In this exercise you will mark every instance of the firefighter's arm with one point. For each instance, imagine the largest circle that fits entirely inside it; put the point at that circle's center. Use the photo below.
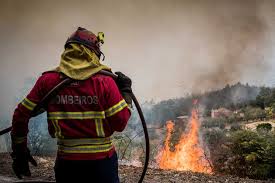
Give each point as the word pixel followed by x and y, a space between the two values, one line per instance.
pixel 20 152
pixel 117 110
pixel 22 114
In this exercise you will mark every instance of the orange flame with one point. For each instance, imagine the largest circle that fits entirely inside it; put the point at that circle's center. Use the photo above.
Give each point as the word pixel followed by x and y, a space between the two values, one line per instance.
pixel 188 155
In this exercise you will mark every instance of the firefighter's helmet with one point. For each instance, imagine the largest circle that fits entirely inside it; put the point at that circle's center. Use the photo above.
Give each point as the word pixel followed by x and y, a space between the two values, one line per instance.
pixel 88 39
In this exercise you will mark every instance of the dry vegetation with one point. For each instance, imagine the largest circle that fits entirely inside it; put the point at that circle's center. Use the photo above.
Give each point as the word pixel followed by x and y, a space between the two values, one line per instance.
pixel 128 174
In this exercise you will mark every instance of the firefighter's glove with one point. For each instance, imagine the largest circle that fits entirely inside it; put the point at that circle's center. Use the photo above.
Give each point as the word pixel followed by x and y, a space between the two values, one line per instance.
pixel 124 84
pixel 21 161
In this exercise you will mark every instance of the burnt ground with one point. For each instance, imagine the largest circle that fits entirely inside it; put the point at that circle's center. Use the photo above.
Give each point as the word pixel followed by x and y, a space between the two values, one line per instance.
pixel 128 174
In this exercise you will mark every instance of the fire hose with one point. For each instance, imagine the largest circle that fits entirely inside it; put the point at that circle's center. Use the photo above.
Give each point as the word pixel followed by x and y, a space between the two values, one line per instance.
pixel 37 110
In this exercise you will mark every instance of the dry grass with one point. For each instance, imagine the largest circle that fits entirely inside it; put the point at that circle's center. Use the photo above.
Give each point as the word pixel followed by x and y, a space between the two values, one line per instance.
pixel 128 174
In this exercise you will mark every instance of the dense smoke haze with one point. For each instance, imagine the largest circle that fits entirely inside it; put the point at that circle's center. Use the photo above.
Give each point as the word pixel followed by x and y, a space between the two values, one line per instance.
pixel 168 48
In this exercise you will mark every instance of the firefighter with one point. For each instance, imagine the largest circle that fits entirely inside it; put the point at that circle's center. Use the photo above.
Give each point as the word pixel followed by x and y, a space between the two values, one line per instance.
pixel 82 116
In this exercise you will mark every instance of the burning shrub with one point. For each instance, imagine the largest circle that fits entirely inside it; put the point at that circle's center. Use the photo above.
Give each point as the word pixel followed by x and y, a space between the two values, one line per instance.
pixel 188 153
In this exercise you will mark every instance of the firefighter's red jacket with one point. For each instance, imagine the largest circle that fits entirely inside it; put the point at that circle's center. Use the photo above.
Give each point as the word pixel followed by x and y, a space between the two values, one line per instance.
pixel 82 116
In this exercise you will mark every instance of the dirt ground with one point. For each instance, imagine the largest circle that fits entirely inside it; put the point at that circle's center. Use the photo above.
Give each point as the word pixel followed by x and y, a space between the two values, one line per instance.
pixel 128 174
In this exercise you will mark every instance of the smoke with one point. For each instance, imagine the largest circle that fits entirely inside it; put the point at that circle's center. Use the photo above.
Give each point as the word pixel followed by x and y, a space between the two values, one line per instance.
pixel 233 45
pixel 168 48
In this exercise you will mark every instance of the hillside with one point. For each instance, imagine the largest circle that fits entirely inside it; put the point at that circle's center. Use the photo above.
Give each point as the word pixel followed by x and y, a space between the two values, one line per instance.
pixel 232 97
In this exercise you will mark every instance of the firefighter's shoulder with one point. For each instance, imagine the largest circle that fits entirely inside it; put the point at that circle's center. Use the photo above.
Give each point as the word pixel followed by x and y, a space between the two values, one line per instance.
pixel 51 76
pixel 103 77
pixel 50 72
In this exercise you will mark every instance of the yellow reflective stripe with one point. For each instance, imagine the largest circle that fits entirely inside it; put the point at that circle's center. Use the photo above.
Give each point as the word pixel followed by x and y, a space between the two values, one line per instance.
pixel 116 108
pixel 99 128
pixel 28 104
pixel 84 141
pixel 77 115
pixel 85 148
pixel 130 108
pixel 57 129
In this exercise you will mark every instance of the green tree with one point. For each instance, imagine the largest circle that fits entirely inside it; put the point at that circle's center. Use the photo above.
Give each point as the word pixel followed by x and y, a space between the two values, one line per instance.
pixel 266 97
pixel 264 128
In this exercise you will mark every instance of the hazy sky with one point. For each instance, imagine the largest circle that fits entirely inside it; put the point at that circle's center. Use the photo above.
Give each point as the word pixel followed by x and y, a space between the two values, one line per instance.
pixel 168 48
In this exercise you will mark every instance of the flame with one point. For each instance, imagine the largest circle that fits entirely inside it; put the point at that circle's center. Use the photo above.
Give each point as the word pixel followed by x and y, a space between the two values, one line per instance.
pixel 188 154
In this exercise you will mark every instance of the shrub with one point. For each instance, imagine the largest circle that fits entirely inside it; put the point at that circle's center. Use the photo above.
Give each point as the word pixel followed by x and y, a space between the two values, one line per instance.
pixel 264 128
pixel 248 154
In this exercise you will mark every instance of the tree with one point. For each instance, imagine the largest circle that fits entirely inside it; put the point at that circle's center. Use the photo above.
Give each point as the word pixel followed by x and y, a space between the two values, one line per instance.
pixel 266 97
